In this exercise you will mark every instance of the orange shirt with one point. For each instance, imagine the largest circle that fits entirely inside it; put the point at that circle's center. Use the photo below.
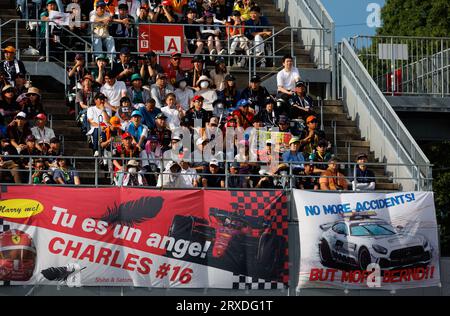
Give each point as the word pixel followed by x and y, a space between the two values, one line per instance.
pixel 334 180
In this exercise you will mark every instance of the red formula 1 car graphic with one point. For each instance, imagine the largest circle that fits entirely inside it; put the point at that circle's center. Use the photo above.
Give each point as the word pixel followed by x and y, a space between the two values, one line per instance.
pixel 239 243
pixel 17 256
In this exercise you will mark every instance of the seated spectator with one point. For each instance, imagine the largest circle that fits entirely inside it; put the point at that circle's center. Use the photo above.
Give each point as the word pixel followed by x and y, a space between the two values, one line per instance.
pixel 188 175
pixel 111 136
pixel 125 67
pixel 320 154
pixel 113 90
pixel 268 115
pixel 174 70
pixel 256 94
pixel 197 113
pixel 364 177
pixel 8 163
pixel 243 7
pixel 101 20
pixel 137 94
pixel 243 114
pixel 164 14
pixel 133 177
pixel 29 150
pixel 209 95
pixel 125 110
pixel 311 135
pixel 210 34
pixel 35 105
pixel 183 93
pixel 40 174
pixel 11 66
pixel 230 91
pixel 193 43
pixel 55 149
pixel 307 180
pixel 198 70
pixel 21 84
pixel 294 154
pixel 218 75
pixel 236 33
pixel 137 130
pixel 171 177
pixel 95 115
pixel 173 111
pixel 64 174
pixel 257 34
pixel 78 71
pixel 149 113
pixel 102 64
pixel 286 79
pixel 214 178
pixel 126 150
pixel 161 131
pixel 85 95
pixel 8 106
pixel 41 132
pixel 234 179
pixel 301 105
pixel 151 159
pixel 18 130
pixel 150 68
pixel 160 89
pixel 123 29
pixel 332 179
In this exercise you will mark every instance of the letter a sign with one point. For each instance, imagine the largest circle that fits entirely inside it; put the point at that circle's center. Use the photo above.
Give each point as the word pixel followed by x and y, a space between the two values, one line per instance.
pixel 172 44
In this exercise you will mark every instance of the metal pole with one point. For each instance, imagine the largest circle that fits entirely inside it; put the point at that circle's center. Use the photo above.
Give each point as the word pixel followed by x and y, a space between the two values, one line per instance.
pixel 30 171
pixel 17 39
pixel 319 99
pixel 96 172
pixel 47 41
pixel 442 68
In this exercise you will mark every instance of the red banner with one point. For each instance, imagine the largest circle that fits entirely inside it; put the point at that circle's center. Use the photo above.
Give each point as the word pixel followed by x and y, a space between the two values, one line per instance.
pixel 137 237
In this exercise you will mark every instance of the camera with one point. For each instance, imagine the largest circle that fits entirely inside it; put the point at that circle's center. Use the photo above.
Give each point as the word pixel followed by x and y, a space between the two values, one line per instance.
pixel 46 178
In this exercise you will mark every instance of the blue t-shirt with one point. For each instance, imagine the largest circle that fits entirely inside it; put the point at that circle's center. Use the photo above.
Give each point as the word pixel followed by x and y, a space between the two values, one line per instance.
pixel 67 176
pixel 148 118
pixel 249 29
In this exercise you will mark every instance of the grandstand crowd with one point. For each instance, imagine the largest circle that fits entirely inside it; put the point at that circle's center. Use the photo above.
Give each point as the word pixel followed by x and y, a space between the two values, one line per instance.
pixel 162 124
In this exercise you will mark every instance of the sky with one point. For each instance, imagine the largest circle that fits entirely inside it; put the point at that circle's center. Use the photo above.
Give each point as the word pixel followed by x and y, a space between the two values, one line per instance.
pixel 350 16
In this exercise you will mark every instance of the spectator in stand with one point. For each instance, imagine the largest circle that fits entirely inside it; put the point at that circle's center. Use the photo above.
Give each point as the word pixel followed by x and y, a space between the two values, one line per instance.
pixel 137 94
pixel 137 130
pixel 35 105
pixel 41 132
pixel 269 116
pixel 54 151
pixel 210 33
pixel 134 6
pixel 18 130
pixel 364 178
pixel 85 95
pixel 78 71
pixel 244 114
pixel 189 177
pixel 163 13
pixel 230 91
pixel 171 177
pixel 174 70
pixel 214 178
pixel 193 43
pixel 222 9
pixel 21 84
pixel 178 7
pixel 286 79
pixel 149 113
pixel 126 150
pixel 307 180
pixel 332 179
pixel 111 136
pixel 65 174
pixel 101 20
pixel 236 33
pixel 150 68
pixel 8 163
pixel 244 8
pixel 11 66
pixel 256 94
pixel 160 89
pixel 311 135
pixel 125 67
pixel 320 154
pixel 101 62
pixel 143 16
pixel 133 177
pixel 184 94
pixel 301 105
pixel 8 105
pixel 41 175
pixel 209 95
pixel 218 75
pixel 29 150
pixel 160 130
pixel 95 115
pixel 24 104
pixel 122 28
pixel 173 111
pixel 294 155
pixel 151 159
pixel 256 34
pixel 113 90
pixel 196 72
pixel 234 179
pixel 124 112
pixel 198 113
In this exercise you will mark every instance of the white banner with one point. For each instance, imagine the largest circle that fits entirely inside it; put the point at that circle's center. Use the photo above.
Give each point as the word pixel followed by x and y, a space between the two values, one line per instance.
pixel 367 240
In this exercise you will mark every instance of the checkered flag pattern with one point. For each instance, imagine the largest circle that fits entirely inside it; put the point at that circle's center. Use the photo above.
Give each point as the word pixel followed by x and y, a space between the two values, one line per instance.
pixel 3 228
pixel 273 206
pixel 242 282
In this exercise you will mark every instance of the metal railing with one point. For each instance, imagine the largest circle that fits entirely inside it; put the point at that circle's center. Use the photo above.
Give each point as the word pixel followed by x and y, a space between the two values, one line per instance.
pixel 378 121
pixel 282 176
pixel 403 65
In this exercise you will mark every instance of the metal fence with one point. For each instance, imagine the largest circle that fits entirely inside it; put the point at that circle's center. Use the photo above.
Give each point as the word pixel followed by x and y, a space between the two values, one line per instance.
pixel 406 65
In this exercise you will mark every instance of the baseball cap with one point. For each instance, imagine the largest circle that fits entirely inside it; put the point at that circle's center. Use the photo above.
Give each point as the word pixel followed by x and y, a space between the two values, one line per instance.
pixel 100 96
pixel 7 87
pixel 176 137
pixel 135 77
pixel 165 3
pixel 310 118
pixel 153 138
pixel 101 56
pixel 214 162
pixel 255 78
pixel 198 98
pixel 161 116
pixel 361 155
pixel 197 59
pixel 174 54
pixel 21 97
pixel 21 114
pixel 230 77
pixel 150 54
pixel 242 102
pixel 123 6
pixel 125 50
pixel 41 116
pixel 161 75
pixel 126 135
pixel 100 3
pixel 300 83
pixel 115 121
pixel 294 140
pixel 9 49
pixel 200 141
pixel 136 113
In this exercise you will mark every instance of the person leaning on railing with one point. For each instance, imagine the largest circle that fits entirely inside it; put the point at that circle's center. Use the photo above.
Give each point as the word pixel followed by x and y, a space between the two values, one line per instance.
pixel 364 178
pixel 123 28
pixel 7 163
pixel 64 174
pixel 101 20
pixel 332 179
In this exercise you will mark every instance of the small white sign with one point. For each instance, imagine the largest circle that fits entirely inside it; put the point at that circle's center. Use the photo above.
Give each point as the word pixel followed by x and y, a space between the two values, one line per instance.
pixel 172 44
pixel 393 51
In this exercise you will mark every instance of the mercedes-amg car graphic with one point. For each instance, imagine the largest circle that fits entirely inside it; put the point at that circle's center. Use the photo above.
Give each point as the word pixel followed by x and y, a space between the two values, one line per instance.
pixel 360 239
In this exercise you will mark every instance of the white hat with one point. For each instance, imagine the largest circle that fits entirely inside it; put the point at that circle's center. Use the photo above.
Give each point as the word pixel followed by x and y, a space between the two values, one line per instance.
pixel 133 163
pixel 21 114
pixel 203 78
pixel 200 141
pixel 214 162
pixel 176 137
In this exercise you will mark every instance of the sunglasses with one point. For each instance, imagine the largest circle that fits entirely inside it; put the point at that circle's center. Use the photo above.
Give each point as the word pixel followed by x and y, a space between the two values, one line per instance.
pixel 9 90
pixel 313 121
pixel 177 58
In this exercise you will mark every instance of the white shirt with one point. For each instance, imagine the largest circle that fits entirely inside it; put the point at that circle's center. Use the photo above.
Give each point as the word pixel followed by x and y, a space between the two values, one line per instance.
pixel 187 177
pixel 287 79
pixel 173 117
pixel 93 114
pixel 184 97
pixel 115 92
pixel 44 134
pixel 209 96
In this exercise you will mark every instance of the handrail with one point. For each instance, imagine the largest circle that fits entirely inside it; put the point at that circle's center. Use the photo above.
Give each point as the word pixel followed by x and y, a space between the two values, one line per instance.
pixel 399 136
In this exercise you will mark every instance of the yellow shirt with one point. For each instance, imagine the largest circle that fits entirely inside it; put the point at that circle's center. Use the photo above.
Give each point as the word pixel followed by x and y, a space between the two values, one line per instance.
pixel 245 12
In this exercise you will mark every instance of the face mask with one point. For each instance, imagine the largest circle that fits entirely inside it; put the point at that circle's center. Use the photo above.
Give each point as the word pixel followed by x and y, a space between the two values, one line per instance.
pixel 132 170
pixel 204 84
pixel 183 84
